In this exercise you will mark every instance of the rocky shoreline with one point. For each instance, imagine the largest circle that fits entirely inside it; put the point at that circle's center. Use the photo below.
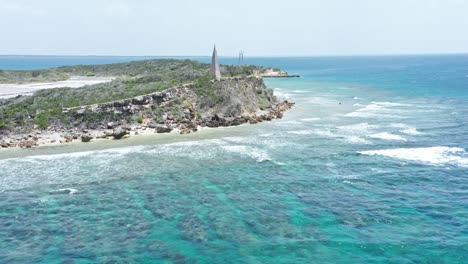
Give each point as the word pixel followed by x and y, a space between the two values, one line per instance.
pixel 192 117
pixel 41 137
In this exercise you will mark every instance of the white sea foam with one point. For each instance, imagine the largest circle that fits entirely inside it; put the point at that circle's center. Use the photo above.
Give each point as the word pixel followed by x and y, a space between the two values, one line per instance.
pixel 358 128
pixel 322 101
pixel 324 133
pixel 358 105
pixel 356 140
pixel 399 125
pixel 291 122
pixel 378 109
pixel 282 93
pixel 312 119
pixel 300 91
pixel 301 132
pixel 68 190
pixel 199 150
pixel 238 140
pixel 251 152
pixel 411 131
pixel 318 132
pixel 122 151
pixel 433 155
pixel 388 136
pixel 357 98
pixel 74 155
pixel 391 104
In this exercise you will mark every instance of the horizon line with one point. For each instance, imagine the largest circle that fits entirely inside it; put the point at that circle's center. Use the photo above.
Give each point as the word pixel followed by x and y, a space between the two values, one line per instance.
pixel 235 56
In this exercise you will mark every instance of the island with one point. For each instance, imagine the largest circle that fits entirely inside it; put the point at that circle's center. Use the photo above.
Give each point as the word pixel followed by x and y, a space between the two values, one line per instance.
pixel 141 97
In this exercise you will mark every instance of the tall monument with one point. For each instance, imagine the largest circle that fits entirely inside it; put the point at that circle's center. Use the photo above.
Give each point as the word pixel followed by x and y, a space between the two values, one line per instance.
pixel 215 71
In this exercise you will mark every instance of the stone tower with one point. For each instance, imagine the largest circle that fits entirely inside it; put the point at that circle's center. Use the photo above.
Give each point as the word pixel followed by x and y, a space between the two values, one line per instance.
pixel 215 71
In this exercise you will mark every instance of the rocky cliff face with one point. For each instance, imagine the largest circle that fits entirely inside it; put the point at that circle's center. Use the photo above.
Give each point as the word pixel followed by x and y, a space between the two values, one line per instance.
pixel 237 96
pixel 227 102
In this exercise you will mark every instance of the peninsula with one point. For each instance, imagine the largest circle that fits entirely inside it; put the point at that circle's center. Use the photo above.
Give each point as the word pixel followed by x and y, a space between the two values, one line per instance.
pixel 153 96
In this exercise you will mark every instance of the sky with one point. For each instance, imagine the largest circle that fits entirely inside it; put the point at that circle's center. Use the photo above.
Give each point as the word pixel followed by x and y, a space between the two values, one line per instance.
pixel 259 27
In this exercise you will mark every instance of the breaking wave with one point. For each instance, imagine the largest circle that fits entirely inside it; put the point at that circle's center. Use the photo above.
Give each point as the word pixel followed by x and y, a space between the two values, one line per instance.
pixel 411 131
pixel 433 155
pixel 388 136
pixel 378 109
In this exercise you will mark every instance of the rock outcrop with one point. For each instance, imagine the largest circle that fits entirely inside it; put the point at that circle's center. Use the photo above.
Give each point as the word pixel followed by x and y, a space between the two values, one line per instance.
pixel 86 138
pixel 119 133
pixel 225 102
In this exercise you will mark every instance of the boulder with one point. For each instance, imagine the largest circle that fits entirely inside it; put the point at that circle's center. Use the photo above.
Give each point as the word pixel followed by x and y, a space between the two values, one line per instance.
pixel 108 133
pixel 27 144
pixel 152 124
pixel 86 138
pixel 119 133
pixel 139 100
pixel 163 129
pixel 212 123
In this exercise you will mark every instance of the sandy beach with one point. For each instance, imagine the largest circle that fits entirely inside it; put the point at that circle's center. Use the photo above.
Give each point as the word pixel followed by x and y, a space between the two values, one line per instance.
pixel 14 89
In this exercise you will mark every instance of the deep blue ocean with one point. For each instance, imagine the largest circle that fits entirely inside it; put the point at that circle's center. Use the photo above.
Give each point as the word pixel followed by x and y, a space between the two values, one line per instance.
pixel 371 166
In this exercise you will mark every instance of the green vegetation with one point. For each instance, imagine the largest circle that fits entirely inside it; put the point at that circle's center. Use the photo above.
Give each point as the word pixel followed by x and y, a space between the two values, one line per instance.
pixel 206 89
pixel 3 124
pixel 187 105
pixel 139 119
pixel 42 120
pixel 264 104
pixel 166 68
pixel 243 70
pixel 32 76
pixel 46 107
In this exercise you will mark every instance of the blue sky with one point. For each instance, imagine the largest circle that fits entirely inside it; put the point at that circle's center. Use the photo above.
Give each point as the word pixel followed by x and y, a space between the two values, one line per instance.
pixel 260 28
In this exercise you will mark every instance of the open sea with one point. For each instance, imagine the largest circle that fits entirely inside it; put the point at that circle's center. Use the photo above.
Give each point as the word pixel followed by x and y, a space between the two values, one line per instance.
pixel 371 166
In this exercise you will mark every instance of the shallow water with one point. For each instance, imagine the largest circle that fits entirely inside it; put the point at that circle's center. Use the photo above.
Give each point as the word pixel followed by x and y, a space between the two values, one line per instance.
pixel 367 167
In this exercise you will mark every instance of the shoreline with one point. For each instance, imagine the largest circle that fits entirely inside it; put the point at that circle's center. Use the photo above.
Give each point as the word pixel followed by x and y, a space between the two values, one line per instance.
pixel 183 108
pixel 39 138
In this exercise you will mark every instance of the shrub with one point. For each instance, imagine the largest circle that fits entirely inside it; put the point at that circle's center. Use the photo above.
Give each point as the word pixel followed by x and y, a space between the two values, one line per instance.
pixel 42 120
pixel 263 105
pixel 187 105
pixel 139 119
pixel 3 124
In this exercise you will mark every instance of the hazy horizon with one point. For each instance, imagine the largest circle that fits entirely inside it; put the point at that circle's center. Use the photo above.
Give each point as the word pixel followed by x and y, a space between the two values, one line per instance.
pixel 261 29
pixel 235 56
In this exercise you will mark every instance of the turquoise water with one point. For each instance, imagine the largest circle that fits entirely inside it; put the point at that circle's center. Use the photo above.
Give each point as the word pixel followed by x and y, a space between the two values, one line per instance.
pixel 371 166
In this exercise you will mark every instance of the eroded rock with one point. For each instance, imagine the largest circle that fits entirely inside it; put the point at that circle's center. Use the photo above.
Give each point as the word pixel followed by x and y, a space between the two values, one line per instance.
pixel 86 138
pixel 119 133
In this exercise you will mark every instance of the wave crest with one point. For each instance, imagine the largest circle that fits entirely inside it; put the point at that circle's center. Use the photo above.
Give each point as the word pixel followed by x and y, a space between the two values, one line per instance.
pixel 388 136
pixel 433 155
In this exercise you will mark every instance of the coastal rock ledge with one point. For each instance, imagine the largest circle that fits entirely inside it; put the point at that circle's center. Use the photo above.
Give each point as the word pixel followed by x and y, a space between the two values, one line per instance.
pixel 185 108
